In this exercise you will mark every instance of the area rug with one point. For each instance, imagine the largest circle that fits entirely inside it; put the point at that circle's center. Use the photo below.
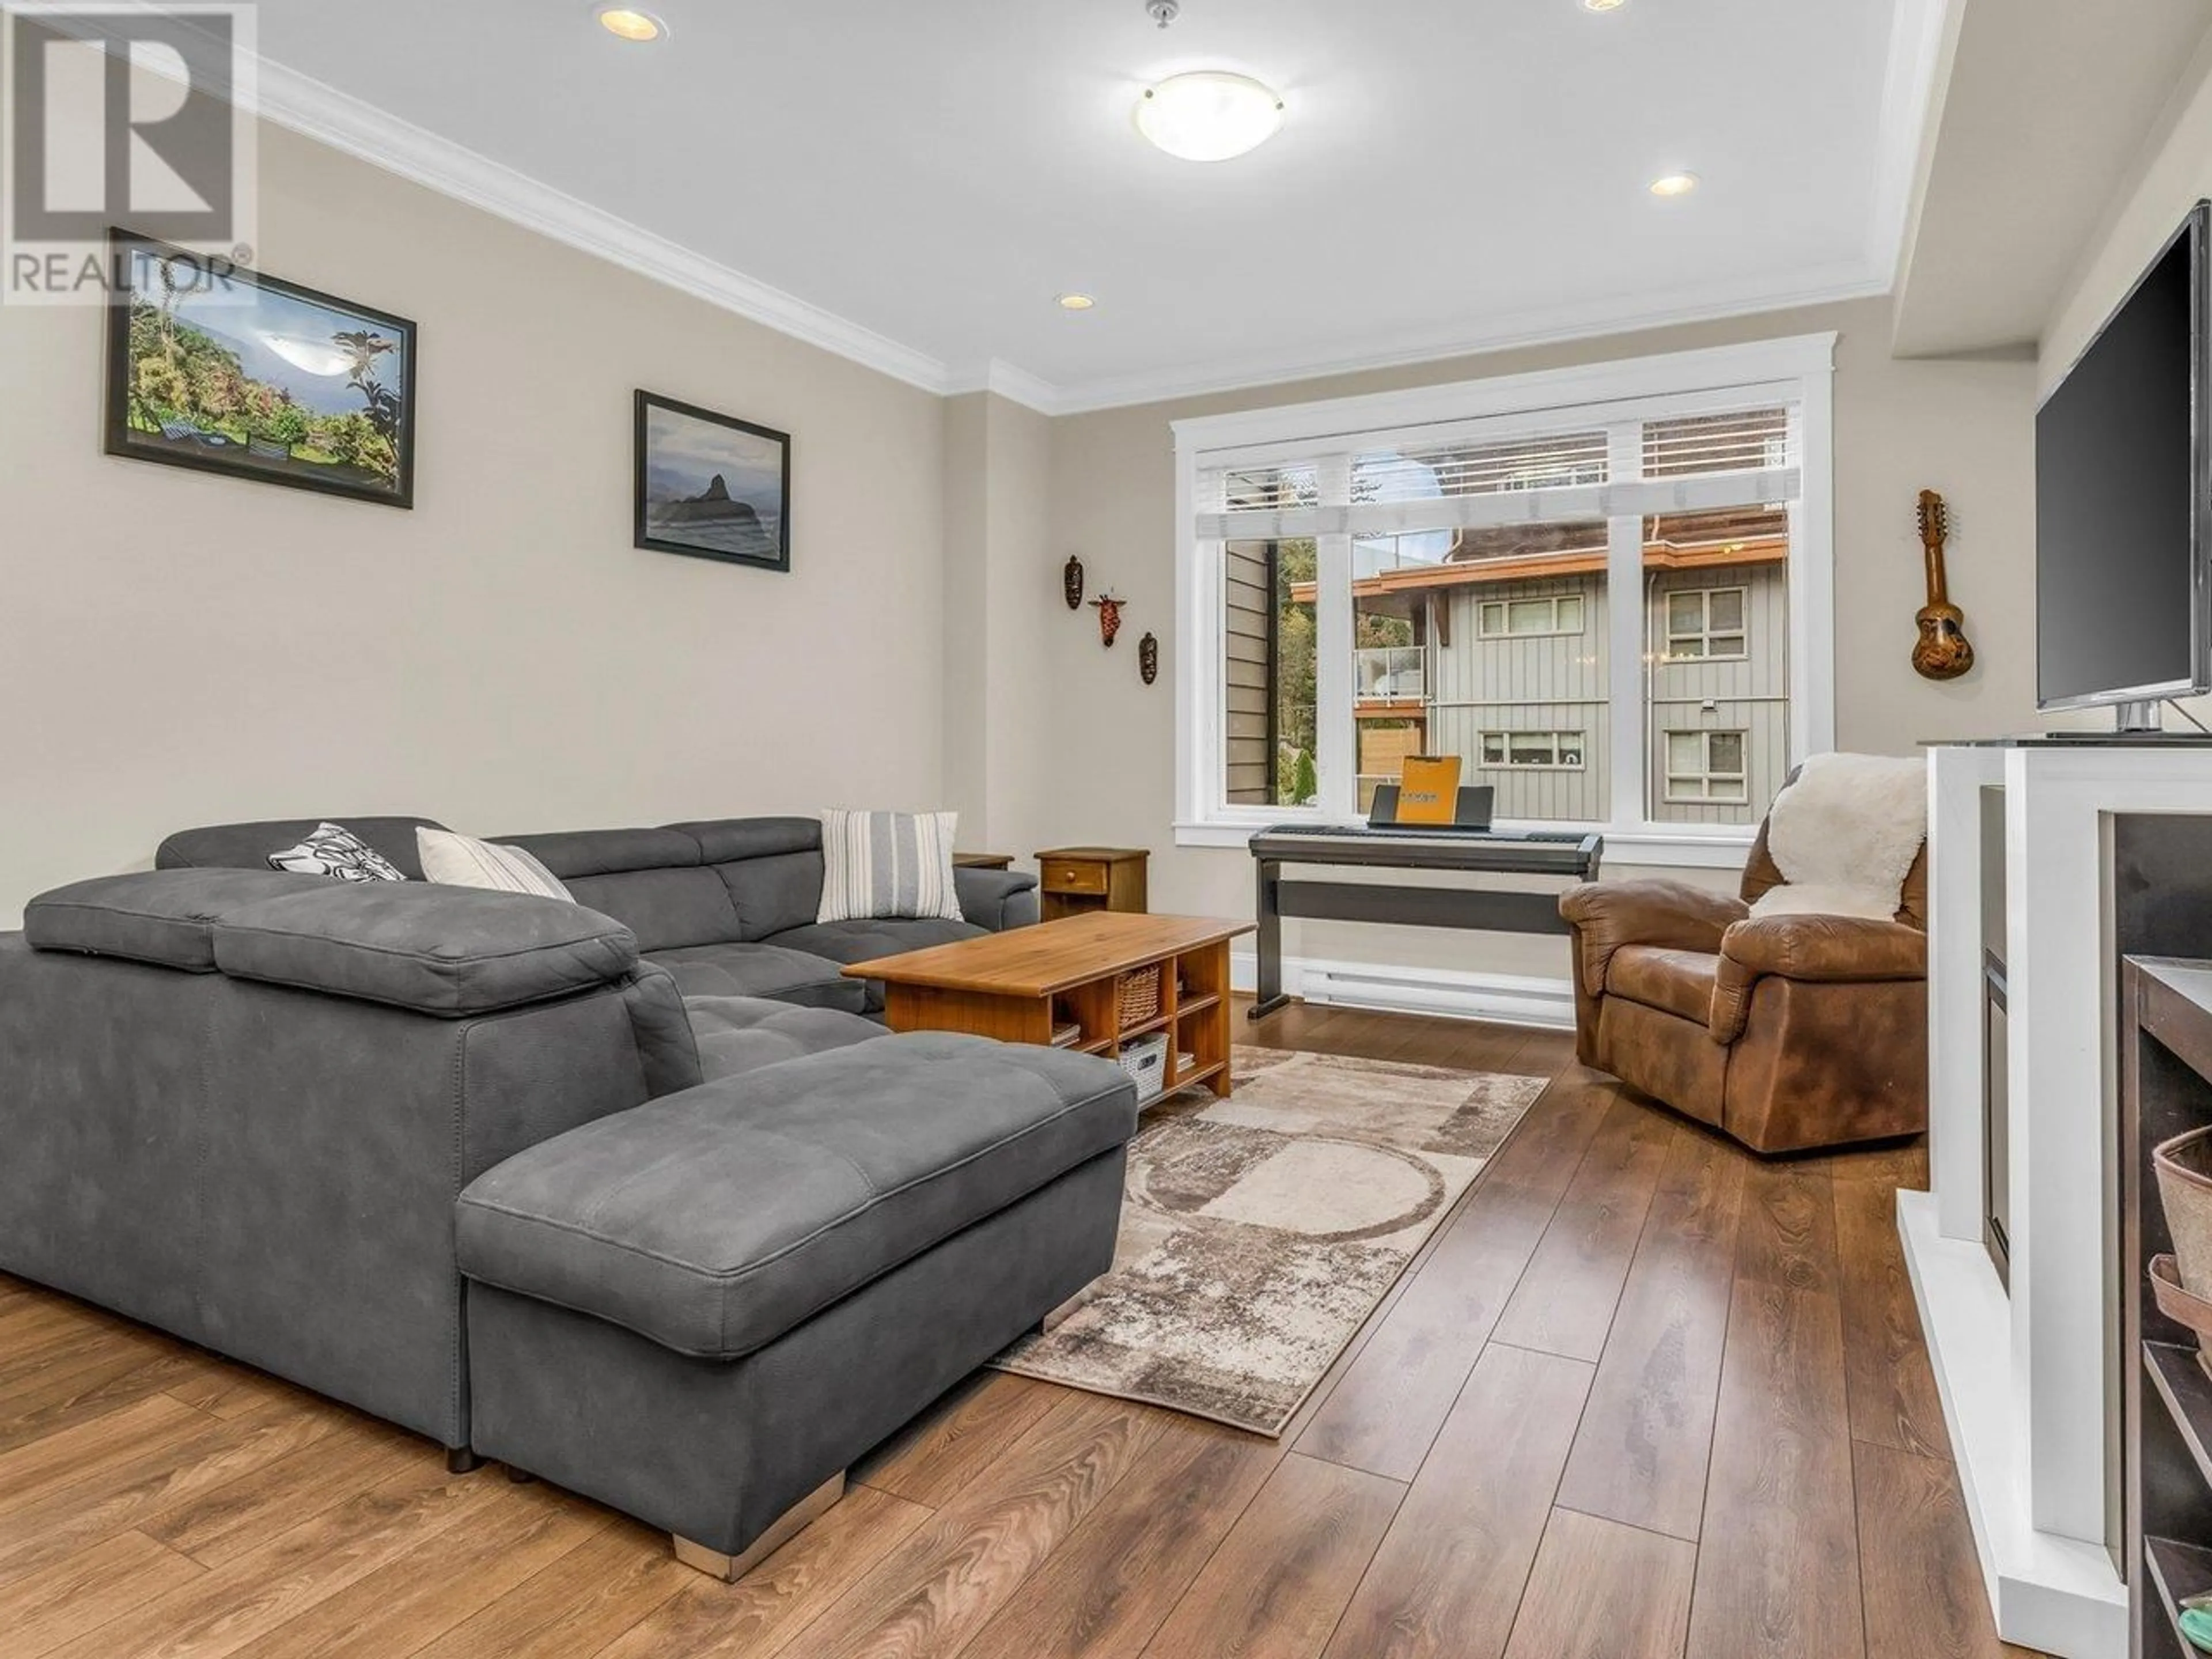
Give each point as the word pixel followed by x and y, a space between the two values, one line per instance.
pixel 1259 1232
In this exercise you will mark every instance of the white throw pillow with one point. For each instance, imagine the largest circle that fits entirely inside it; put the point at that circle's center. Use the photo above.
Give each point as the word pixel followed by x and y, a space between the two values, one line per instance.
pixel 891 865
pixel 464 861
pixel 336 851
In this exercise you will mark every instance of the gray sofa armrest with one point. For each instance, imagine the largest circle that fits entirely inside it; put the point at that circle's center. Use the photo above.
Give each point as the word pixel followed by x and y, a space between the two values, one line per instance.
pixel 996 899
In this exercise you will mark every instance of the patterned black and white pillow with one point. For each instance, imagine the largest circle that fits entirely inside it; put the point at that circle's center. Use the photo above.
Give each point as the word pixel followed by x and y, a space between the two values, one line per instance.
pixel 335 851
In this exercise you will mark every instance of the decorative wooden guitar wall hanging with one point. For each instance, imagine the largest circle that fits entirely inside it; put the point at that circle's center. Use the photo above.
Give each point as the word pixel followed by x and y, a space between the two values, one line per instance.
pixel 1943 653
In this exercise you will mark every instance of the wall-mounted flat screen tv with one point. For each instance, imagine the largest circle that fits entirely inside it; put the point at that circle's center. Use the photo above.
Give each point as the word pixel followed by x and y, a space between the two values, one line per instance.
pixel 2121 498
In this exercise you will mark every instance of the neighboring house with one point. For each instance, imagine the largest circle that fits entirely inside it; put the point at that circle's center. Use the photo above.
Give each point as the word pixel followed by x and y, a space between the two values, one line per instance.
pixel 1500 655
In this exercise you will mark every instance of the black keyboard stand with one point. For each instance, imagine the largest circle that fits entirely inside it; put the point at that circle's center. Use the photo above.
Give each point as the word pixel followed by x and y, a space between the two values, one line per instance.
pixel 1564 853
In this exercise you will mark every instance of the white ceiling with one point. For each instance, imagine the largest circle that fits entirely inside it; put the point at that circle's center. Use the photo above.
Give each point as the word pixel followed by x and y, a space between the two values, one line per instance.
pixel 912 181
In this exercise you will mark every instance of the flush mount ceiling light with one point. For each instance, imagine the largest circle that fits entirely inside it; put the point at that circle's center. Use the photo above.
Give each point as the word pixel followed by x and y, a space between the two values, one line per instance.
pixel 628 23
pixel 1603 5
pixel 1209 115
pixel 1074 301
pixel 1674 183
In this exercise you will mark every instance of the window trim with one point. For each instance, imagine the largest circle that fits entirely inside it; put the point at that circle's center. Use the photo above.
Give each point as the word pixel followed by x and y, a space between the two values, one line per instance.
pixel 1667 636
pixel 1705 774
pixel 1797 370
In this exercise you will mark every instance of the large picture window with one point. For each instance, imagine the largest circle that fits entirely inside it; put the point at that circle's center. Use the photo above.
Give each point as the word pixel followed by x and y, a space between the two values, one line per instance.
pixel 1607 590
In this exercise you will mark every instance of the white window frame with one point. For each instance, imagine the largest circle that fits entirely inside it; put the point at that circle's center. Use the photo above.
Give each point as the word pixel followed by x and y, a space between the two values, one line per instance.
pixel 1483 607
pixel 1704 774
pixel 1668 636
pixel 1481 764
pixel 1798 372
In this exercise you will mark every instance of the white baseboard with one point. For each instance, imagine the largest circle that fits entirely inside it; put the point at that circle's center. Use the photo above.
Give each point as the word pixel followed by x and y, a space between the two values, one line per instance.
pixel 1506 999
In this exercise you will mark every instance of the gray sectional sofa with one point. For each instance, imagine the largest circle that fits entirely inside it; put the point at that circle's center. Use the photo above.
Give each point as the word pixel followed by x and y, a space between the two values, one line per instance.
pixel 551 1183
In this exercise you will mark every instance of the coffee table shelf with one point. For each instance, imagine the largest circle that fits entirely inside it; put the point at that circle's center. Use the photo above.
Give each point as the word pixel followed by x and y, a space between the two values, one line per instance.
pixel 1021 985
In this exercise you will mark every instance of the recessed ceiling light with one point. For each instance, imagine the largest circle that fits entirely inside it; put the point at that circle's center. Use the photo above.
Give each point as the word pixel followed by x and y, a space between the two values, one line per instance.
pixel 1674 183
pixel 1209 115
pixel 1076 301
pixel 628 23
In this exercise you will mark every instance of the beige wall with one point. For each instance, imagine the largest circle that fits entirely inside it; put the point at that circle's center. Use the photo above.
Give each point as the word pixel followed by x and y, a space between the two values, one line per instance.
pixel 1961 428
pixel 178 648
pixel 2170 177
pixel 1001 586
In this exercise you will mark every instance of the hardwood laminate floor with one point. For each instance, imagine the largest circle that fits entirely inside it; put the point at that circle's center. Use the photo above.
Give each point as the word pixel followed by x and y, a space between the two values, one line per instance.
pixel 1643 1395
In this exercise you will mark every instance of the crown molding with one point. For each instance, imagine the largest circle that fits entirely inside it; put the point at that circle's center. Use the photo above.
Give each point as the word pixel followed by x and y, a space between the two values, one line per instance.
pixel 1017 384
pixel 1923 45
pixel 1549 327
pixel 336 118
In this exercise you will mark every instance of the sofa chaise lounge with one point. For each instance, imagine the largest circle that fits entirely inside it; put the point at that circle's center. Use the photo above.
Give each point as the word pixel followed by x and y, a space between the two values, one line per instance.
pixel 477 1163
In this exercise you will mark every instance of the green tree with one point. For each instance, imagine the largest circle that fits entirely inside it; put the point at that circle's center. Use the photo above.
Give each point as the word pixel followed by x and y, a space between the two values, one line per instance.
pixel 1296 564
pixel 158 388
pixel 1305 782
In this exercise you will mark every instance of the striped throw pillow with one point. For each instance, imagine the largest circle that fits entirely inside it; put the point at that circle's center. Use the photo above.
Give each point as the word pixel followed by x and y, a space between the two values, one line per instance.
pixel 464 861
pixel 888 864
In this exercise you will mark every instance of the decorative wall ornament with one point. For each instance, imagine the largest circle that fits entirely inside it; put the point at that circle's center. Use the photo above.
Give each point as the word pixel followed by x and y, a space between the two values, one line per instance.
pixel 711 486
pixel 229 371
pixel 1148 657
pixel 1070 582
pixel 1109 616
pixel 1941 652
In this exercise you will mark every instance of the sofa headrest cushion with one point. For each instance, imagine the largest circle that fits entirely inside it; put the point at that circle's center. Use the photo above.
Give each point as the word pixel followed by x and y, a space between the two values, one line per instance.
pixel 569 854
pixel 727 840
pixel 438 950
pixel 248 846
pixel 162 916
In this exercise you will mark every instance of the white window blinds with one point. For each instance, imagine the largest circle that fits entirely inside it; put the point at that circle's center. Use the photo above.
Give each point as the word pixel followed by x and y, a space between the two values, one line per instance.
pixel 1396 484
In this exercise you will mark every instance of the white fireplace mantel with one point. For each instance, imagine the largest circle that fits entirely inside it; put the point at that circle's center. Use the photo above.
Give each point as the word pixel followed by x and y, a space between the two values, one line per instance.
pixel 2026 1379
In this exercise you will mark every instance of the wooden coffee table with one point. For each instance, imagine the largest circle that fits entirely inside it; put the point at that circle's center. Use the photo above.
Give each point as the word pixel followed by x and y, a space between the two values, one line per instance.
pixel 1019 985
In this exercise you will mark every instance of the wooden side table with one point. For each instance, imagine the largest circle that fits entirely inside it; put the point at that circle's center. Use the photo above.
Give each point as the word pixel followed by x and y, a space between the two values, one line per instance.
pixel 982 861
pixel 1077 881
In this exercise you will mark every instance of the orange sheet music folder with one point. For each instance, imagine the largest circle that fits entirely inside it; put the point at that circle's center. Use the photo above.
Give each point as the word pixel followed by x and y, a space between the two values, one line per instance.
pixel 1428 789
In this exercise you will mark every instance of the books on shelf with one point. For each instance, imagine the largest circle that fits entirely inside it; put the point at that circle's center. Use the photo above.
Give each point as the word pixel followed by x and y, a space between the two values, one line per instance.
pixel 1067 1034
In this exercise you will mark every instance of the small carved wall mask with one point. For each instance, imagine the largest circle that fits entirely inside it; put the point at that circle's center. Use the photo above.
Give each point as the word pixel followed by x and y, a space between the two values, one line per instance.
pixel 1148 657
pixel 1070 582
pixel 1109 616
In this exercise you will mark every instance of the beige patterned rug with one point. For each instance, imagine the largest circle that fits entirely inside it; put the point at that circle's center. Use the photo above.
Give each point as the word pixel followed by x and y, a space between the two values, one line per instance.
pixel 1259 1232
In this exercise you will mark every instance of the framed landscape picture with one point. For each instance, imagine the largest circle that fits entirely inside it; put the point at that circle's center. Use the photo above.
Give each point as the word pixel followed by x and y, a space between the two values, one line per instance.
pixel 229 371
pixel 711 485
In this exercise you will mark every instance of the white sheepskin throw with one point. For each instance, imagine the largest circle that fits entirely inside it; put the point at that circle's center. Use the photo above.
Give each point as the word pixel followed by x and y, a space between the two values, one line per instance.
pixel 1845 836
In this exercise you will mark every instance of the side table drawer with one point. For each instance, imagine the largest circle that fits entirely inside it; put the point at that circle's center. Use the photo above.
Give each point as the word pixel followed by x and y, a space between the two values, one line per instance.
pixel 1067 876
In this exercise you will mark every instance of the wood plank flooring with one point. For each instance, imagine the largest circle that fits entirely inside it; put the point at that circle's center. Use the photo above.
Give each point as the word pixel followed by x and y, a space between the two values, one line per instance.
pixel 1644 1397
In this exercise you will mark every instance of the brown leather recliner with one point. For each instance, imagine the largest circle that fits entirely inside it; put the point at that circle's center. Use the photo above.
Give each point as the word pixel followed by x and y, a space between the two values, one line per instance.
pixel 1787 1032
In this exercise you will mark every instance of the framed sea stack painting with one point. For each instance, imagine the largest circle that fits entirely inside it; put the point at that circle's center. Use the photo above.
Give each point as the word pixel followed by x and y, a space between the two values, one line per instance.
pixel 711 485
pixel 226 370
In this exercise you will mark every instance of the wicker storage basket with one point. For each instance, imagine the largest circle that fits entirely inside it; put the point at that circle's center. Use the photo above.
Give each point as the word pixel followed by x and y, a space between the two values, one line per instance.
pixel 2181 1282
pixel 1141 996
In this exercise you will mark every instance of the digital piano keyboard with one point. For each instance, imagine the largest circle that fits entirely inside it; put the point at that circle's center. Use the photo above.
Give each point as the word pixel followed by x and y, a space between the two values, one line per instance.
pixel 1567 855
